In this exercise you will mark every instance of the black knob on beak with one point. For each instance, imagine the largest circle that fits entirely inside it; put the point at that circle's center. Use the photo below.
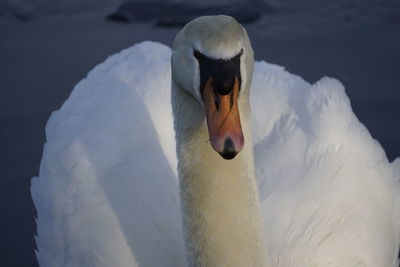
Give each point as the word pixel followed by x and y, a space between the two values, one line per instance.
pixel 224 82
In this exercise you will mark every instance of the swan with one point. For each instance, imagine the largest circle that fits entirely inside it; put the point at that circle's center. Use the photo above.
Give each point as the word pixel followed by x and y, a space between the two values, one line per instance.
pixel 127 179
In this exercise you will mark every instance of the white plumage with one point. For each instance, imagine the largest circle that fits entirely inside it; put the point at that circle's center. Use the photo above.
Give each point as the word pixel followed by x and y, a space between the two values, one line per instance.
pixel 107 192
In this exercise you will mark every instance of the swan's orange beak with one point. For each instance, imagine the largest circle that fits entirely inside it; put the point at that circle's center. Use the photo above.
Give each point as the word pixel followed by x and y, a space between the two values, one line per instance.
pixel 223 120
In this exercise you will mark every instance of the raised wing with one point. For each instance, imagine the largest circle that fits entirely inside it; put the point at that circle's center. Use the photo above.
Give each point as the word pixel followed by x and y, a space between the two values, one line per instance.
pixel 107 192
pixel 329 195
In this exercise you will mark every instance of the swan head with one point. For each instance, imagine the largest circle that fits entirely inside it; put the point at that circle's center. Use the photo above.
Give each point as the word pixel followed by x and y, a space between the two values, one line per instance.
pixel 212 60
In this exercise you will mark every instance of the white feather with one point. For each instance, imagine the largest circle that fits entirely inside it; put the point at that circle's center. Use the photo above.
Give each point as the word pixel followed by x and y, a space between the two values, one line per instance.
pixel 107 192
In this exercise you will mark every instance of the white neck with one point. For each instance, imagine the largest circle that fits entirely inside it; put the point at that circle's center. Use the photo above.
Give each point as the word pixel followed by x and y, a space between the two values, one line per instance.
pixel 221 210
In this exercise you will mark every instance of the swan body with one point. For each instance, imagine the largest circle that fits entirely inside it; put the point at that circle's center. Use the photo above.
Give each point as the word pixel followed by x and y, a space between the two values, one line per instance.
pixel 321 189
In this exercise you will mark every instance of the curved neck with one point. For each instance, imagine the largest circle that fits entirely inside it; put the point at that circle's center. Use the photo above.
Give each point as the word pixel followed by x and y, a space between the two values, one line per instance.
pixel 221 211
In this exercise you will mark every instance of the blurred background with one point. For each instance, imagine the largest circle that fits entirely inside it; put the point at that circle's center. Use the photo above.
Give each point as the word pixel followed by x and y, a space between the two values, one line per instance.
pixel 47 46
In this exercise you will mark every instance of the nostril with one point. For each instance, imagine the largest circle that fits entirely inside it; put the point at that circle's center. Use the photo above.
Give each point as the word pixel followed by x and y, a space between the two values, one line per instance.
pixel 229 149
pixel 216 101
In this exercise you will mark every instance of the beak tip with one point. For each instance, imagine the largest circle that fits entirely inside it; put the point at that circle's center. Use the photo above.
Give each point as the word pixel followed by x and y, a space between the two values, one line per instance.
pixel 229 151
pixel 228 156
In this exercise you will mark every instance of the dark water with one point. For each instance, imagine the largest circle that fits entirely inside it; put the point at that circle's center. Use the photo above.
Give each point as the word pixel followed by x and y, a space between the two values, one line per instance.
pixel 41 61
pixel 175 14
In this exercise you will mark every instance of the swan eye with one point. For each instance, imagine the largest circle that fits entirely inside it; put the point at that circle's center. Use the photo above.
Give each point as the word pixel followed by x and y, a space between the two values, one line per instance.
pixel 199 56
